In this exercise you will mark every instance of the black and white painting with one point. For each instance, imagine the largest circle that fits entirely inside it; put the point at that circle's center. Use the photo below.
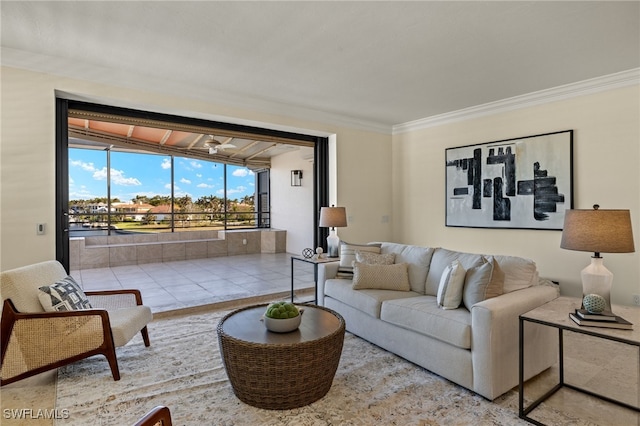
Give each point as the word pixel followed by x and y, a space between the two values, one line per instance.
pixel 514 183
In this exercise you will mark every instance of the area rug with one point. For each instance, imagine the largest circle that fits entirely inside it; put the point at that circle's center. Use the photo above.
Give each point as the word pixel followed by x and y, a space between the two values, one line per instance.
pixel 183 370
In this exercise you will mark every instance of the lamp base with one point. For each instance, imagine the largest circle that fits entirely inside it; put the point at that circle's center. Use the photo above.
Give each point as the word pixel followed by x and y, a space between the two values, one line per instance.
pixel 596 279
pixel 333 244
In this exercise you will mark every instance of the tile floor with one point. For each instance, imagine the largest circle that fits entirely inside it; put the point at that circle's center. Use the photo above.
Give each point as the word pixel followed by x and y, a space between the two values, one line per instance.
pixel 186 284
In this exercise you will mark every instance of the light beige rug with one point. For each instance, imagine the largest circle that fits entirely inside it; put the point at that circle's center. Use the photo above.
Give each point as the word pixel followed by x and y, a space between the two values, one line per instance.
pixel 182 369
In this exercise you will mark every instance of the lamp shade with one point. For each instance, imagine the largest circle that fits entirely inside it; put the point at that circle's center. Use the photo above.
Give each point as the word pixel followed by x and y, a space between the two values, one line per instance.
pixel 333 217
pixel 598 231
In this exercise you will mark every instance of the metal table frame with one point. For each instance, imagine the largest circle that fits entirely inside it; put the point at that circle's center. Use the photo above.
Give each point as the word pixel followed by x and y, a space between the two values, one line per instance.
pixel 602 333
pixel 315 262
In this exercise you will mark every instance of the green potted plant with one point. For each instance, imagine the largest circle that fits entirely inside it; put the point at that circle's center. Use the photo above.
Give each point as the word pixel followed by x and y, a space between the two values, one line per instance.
pixel 282 317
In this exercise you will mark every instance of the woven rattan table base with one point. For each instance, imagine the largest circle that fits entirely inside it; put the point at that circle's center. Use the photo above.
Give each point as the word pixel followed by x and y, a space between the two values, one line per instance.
pixel 281 376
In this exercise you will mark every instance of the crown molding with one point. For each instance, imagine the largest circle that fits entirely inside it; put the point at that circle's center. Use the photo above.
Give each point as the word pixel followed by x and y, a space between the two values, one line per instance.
pixel 567 91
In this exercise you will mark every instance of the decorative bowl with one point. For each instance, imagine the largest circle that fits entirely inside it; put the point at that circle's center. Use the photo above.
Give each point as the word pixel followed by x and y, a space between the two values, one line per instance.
pixel 284 325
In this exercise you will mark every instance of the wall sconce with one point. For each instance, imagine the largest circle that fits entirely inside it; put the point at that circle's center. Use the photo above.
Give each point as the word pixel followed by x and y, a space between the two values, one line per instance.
pixel 296 177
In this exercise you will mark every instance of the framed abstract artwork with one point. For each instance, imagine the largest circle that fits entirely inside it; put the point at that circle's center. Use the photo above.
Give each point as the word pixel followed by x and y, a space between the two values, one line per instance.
pixel 523 183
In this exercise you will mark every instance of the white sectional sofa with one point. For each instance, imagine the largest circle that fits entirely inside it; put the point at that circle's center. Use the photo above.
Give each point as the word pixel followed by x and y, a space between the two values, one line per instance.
pixel 474 346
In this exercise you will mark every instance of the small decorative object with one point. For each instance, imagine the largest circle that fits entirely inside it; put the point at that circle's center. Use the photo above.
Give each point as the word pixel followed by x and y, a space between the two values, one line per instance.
pixel 594 303
pixel 282 317
pixel 307 253
pixel 319 253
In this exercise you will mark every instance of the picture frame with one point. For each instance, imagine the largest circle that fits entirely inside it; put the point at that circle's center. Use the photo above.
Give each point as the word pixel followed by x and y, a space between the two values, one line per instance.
pixel 520 183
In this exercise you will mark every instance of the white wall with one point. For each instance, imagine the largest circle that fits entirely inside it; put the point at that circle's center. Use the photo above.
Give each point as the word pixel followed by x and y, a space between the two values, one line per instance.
pixel 292 206
pixel 27 158
pixel 606 156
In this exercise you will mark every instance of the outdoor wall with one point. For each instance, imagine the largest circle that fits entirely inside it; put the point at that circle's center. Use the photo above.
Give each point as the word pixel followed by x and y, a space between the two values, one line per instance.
pixel 292 206
pixel 606 156
pixel 27 157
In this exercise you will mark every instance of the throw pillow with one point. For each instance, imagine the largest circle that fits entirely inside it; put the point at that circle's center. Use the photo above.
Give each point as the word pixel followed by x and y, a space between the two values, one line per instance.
pixel 375 259
pixel 64 295
pixel 451 286
pixel 348 256
pixel 382 277
pixel 482 282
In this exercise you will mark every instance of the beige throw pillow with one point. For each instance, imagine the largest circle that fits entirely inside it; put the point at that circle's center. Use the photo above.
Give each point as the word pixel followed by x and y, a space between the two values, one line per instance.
pixel 375 259
pixel 451 286
pixel 382 277
pixel 482 282
pixel 348 256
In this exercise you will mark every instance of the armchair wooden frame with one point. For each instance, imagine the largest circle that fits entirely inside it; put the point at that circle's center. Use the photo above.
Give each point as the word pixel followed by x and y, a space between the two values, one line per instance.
pixel 49 348
pixel 159 416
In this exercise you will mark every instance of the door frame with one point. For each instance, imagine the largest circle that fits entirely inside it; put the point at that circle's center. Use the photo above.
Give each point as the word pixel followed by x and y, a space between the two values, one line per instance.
pixel 320 164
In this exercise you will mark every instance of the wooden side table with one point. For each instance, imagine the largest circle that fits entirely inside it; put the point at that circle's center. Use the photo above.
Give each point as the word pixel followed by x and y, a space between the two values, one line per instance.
pixel 315 262
pixel 556 314
pixel 280 371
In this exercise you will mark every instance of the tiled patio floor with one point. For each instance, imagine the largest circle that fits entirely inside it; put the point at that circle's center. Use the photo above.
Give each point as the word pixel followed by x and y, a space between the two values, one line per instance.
pixel 191 283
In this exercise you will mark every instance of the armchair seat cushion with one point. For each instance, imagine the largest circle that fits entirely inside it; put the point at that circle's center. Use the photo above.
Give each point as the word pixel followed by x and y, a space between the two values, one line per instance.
pixel 127 322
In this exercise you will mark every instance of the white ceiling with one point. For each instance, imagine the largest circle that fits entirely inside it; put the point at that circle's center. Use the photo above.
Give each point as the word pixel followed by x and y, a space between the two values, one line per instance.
pixel 382 63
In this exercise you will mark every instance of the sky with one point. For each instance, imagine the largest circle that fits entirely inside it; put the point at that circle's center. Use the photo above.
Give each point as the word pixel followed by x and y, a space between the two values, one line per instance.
pixel 149 174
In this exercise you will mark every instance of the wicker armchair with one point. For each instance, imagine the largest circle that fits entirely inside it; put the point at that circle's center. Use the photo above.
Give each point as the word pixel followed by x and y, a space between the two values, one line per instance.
pixel 33 341
pixel 159 416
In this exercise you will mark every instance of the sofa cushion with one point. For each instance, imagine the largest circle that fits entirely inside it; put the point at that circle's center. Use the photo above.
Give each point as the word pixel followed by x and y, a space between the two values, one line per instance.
pixel 418 259
pixel 482 282
pixel 348 256
pixel 440 260
pixel 422 315
pixel 519 272
pixel 63 295
pixel 368 301
pixel 451 286
pixel 374 258
pixel 384 277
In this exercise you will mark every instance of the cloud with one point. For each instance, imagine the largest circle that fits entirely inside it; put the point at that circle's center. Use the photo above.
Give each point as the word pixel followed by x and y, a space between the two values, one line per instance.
pixel 204 185
pixel 195 165
pixel 198 175
pixel 117 177
pixel 230 191
pixel 89 167
pixel 242 173
pixel 186 181
pixel 166 164
pixel 168 186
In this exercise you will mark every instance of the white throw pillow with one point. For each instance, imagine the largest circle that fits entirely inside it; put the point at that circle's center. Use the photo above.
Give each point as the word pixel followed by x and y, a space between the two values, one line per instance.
pixel 482 282
pixel 451 286
pixel 63 295
pixel 348 256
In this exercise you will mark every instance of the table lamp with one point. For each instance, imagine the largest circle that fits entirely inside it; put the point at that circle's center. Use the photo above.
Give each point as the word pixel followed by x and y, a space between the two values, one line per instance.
pixel 333 217
pixel 598 231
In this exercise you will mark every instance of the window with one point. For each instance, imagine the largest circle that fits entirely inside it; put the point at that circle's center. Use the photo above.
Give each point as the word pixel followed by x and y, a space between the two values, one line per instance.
pixel 119 191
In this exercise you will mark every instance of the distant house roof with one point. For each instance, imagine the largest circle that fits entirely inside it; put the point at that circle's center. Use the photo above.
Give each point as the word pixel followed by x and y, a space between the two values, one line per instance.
pixel 164 208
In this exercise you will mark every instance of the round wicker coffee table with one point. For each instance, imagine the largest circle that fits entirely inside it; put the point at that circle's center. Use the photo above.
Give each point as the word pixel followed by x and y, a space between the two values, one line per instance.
pixel 280 371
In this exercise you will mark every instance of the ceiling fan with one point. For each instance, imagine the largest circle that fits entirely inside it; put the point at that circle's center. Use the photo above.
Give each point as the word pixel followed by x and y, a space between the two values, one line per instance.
pixel 215 145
